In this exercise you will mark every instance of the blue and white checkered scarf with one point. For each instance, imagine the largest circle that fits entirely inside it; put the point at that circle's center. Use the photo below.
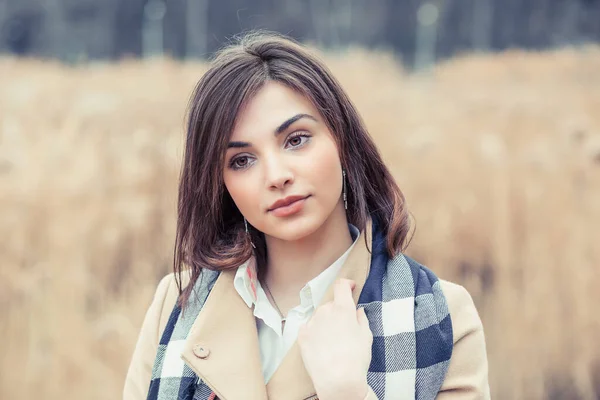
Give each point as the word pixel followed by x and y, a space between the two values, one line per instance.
pixel 410 356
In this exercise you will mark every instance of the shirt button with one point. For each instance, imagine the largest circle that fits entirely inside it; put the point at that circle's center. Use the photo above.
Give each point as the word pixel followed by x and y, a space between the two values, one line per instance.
pixel 201 351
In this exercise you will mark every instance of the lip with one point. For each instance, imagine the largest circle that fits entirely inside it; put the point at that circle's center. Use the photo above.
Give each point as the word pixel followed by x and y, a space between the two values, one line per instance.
pixel 285 202
pixel 290 209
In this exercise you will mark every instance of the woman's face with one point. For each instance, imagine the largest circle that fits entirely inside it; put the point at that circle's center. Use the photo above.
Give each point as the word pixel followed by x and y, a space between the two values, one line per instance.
pixel 282 147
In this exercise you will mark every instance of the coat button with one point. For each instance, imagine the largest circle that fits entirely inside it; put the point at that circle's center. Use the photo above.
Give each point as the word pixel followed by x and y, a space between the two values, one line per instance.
pixel 201 351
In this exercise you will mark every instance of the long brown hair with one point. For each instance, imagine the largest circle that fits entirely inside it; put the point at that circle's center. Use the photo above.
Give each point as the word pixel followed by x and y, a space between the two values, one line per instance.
pixel 210 228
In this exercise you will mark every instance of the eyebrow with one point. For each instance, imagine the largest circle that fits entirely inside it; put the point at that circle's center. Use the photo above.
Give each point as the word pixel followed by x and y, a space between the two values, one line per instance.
pixel 286 124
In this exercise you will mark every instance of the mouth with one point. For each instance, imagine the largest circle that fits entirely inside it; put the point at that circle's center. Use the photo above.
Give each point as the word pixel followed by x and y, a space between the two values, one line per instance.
pixel 289 208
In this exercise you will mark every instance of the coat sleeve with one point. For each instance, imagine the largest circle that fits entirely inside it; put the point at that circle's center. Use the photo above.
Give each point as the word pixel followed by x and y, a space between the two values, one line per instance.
pixel 467 376
pixel 139 373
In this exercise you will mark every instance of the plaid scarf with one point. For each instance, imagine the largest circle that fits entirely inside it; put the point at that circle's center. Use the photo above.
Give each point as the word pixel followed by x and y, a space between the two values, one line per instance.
pixel 407 312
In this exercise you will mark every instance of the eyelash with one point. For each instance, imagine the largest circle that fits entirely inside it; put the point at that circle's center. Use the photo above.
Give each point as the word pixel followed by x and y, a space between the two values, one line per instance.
pixel 235 167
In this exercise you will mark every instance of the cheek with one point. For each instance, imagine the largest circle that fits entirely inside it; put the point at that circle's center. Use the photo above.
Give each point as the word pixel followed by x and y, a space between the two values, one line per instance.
pixel 242 192
pixel 326 169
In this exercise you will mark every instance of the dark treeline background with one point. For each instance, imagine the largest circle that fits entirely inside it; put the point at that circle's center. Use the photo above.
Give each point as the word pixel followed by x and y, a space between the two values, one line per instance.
pixel 73 30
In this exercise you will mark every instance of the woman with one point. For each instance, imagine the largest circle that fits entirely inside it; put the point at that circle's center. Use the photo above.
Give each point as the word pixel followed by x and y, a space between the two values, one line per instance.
pixel 290 281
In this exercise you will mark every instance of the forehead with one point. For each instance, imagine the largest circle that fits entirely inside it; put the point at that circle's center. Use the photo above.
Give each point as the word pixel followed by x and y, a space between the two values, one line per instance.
pixel 272 104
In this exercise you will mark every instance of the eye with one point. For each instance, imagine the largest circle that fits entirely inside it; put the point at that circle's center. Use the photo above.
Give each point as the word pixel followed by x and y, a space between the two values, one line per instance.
pixel 296 139
pixel 239 163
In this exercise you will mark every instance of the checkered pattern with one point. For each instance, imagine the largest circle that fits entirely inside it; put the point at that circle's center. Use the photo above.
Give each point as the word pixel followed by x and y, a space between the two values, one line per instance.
pixel 171 377
pixel 412 330
pixel 407 312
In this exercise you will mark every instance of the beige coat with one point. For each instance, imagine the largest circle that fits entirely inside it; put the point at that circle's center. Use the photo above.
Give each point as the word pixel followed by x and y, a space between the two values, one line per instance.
pixel 230 360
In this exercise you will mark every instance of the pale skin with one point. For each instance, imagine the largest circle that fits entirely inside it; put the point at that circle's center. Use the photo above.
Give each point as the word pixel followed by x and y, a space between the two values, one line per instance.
pixel 336 346
pixel 301 159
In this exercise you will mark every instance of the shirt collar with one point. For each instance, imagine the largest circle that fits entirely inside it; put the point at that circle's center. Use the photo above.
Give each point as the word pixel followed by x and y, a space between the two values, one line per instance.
pixel 246 282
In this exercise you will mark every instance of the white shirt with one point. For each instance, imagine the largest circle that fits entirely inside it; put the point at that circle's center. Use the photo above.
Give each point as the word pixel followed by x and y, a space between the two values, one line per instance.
pixel 273 342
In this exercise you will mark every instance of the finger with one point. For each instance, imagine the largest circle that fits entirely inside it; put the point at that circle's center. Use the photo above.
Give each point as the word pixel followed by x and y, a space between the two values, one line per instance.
pixel 363 321
pixel 352 283
pixel 342 292
pixel 362 317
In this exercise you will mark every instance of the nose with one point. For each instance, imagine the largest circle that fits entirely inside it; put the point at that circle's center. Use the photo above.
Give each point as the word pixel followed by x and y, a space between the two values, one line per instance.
pixel 277 173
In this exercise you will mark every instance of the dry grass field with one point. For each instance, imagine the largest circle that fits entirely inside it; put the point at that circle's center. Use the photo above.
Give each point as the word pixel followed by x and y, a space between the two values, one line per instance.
pixel 498 155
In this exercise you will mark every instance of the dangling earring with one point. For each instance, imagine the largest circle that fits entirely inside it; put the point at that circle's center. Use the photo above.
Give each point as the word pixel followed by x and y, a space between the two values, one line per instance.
pixel 345 197
pixel 248 233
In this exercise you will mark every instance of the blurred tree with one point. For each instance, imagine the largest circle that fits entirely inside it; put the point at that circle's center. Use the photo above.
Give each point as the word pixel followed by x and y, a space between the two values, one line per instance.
pixel 19 31
pixel 127 37
pixel 482 24
pixel 153 28
pixel 195 28
pixel 174 27
pixel 427 27
pixel 196 23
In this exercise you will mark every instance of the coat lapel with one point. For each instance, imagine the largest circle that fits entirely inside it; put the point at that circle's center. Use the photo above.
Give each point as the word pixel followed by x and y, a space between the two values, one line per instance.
pixel 222 346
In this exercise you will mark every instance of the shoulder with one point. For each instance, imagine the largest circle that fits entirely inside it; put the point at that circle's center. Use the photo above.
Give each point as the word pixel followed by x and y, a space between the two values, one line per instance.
pixel 166 296
pixel 166 290
pixel 467 375
pixel 167 293
pixel 142 360
pixel 457 299
pixel 461 307
pixel 165 285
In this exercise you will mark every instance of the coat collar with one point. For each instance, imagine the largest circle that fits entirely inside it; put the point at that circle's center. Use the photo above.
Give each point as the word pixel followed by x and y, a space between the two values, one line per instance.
pixel 222 346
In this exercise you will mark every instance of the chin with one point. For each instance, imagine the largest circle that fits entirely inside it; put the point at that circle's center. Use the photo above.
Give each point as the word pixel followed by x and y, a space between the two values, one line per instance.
pixel 293 228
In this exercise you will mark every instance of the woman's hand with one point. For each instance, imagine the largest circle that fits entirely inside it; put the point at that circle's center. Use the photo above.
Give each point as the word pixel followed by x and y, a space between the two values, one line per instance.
pixel 336 346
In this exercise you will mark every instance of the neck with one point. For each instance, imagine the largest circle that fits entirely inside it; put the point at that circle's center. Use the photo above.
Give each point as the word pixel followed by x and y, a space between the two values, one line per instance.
pixel 291 264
